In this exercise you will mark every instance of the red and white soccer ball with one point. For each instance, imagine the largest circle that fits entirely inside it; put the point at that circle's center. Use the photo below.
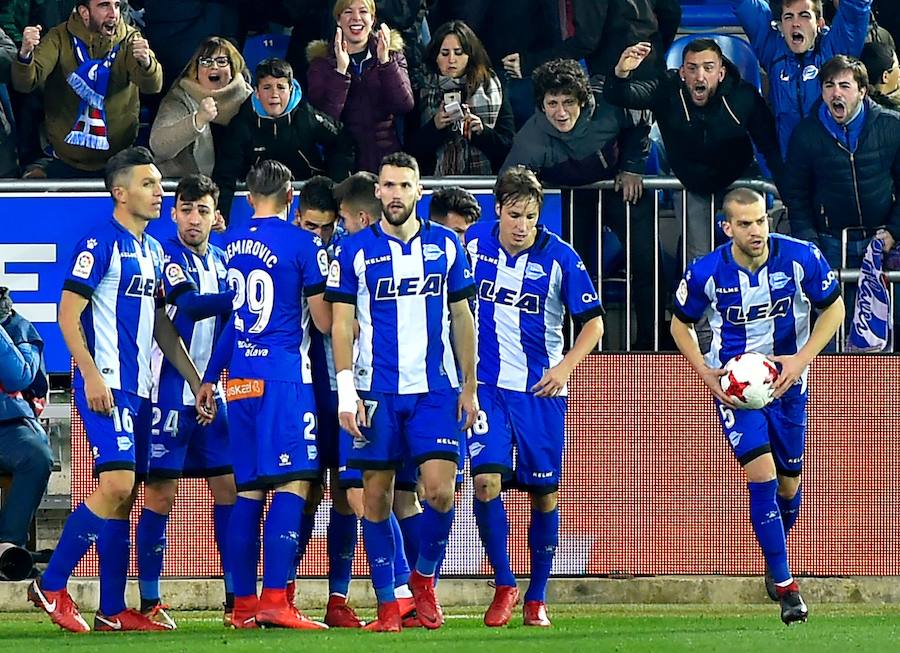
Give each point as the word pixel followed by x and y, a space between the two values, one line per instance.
pixel 749 379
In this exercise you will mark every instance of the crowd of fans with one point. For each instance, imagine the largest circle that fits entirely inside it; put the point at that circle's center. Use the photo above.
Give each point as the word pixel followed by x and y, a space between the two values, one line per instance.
pixel 569 88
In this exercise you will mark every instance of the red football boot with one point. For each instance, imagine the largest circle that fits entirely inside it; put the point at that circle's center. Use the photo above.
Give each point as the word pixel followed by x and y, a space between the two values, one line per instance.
pixel 388 621
pixel 427 608
pixel 59 605
pixel 498 614
pixel 275 611
pixel 535 614
pixel 128 619
pixel 339 614
pixel 243 614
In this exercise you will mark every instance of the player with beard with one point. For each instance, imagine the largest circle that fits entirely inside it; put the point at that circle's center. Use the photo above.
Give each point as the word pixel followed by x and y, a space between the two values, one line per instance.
pixel 757 292
pixel 407 282
pixel 793 55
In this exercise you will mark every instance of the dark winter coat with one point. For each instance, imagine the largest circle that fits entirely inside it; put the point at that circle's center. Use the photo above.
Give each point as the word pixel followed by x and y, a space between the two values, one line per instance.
pixel 708 147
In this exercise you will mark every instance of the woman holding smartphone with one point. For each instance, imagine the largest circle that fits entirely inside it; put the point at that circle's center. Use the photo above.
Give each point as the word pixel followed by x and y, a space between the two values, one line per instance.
pixel 466 124
pixel 362 80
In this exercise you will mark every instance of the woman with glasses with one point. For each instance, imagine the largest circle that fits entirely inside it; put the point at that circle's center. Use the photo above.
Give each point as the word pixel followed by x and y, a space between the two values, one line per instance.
pixel 466 124
pixel 195 112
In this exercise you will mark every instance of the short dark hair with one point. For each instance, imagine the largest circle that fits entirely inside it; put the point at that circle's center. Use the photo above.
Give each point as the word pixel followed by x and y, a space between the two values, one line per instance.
pixel 455 199
pixel 817 7
pixel 743 196
pixel 878 58
pixel 841 63
pixel 358 191
pixel 703 45
pixel 560 77
pixel 516 184
pixel 273 67
pixel 400 160
pixel 193 187
pixel 318 194
pixel 122 162
pixel 268 178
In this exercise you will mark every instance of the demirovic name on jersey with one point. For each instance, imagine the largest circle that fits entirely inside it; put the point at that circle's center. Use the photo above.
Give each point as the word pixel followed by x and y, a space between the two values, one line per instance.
pixel 272 267
pixel 120 276
pixel 406 289
pixel 185 271
pixel 767 311
pixel 521 298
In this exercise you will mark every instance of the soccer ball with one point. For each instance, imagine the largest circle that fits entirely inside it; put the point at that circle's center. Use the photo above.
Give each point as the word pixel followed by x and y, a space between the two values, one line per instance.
pixel 749 379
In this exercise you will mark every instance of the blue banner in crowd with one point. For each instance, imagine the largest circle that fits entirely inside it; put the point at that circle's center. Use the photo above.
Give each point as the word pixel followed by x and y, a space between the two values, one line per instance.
pixel 39 231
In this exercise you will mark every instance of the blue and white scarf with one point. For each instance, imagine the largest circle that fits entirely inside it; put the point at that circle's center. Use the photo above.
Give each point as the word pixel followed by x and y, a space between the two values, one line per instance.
pixel 871 328
pixel 90 81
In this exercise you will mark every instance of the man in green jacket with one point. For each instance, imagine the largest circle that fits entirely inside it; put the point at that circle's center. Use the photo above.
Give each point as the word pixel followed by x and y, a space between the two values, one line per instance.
pixel 91 68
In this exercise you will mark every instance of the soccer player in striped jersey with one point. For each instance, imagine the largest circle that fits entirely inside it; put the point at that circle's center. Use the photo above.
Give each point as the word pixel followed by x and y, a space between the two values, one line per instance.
pixel 199 305
pixel 407 282
pixel 109 316
pixel 758 291
pixel 526 277
pixel 278 273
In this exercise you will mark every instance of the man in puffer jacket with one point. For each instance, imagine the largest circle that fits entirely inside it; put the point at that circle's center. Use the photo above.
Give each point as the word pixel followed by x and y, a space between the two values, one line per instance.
pixel 844 167
pixel 275 123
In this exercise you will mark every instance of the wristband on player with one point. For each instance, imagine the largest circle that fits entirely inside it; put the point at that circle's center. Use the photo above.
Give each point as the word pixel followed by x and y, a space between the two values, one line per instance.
pixel 347 395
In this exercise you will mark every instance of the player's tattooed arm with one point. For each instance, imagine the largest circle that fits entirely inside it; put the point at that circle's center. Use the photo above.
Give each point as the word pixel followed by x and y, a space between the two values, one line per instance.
pixel 792 366
pixel 686 341
pixel 555 379
pixel 462 325
pixel 97 393
pixel 173 349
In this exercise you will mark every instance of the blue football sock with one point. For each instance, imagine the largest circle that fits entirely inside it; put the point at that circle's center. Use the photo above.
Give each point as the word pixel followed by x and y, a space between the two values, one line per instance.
pixel 790 509
pixel 221 515
pixel 378 538
pixel 411 527
pixel 82 529
pixel 493 528
pixel 307 525
pixel 151 546
pixel 543 537
pixel 243 544
pixel 113 548
pixel 435 531
pixel 280 538
pixel 401 564
pixel 341 547
pixel 766 520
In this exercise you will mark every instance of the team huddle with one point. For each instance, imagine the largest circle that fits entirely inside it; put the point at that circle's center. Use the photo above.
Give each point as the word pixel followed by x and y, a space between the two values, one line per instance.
pixel 377 356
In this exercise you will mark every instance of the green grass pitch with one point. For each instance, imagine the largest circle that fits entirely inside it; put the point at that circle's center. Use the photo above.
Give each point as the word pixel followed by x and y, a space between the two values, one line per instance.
pixel 587 629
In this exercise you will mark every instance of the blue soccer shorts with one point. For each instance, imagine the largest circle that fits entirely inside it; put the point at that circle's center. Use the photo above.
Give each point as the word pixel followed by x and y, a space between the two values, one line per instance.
pixel 407 430
pixel 779 429
pixel 329 428
pixel 273 429
pixel 120 441
pixel 533 426
pixel 180 447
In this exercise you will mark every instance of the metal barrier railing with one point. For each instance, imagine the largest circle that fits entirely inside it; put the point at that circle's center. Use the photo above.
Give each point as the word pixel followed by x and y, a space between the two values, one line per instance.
pixel 656 184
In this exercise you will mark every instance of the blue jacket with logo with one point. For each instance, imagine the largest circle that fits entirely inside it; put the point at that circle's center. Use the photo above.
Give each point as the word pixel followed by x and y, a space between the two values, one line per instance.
pixel 794 79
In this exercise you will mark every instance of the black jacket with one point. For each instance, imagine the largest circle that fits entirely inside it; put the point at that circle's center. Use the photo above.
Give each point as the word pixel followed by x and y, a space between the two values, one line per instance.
pixel 294 139
pixel 827 189
pixel 708 147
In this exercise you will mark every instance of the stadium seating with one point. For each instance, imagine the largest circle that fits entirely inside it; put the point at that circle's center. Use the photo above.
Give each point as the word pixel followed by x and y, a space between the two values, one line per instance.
pixel 707 14
pixel 264 46
pixel 736 49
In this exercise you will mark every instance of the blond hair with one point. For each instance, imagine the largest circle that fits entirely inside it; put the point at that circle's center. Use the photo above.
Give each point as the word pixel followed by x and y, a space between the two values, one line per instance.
pixel 341 5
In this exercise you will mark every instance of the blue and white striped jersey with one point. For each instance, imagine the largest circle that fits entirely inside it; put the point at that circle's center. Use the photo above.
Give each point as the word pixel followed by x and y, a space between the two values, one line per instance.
pixel 402 293
pixel 120 275
pixel 272 267
pixel 185 271
pixel 320 352
pixel 521 303
pixel 767 311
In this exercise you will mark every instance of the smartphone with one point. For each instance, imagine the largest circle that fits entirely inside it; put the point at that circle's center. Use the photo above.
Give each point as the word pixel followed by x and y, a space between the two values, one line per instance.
pixel 454 111
pixel 450 97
